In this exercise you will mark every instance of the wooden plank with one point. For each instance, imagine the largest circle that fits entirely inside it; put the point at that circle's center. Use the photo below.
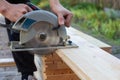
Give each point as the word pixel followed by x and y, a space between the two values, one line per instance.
pixel 92 40
pixel 7 62
pixel 57 65
pixel 89 62
pixel 62 77
pixel 54 58
pixel 58 71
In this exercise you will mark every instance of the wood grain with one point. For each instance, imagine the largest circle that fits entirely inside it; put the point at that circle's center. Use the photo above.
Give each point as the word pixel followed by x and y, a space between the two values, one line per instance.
pixel 91 40
pixel 89 62
pixel 7 62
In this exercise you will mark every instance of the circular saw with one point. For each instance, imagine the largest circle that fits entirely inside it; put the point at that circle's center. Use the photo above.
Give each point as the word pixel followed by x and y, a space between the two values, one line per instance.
pixel 40 33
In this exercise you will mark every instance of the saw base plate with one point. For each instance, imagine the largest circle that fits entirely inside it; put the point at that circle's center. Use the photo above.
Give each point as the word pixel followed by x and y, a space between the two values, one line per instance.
pixel 15 46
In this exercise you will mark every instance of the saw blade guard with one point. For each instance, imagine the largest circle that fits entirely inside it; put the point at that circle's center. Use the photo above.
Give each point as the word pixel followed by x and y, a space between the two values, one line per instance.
pixel 25 22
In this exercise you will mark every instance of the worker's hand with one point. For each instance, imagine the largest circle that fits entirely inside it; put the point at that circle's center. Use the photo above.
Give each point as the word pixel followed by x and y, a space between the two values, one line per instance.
pixel 64 15
pixel 14 11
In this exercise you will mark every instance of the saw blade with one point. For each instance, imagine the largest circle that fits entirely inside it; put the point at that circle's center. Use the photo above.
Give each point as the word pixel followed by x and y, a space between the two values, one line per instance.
pixel 44 36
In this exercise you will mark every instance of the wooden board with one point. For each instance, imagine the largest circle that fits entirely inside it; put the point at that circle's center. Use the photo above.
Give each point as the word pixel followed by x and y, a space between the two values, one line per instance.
pixel 53 68
pixel 92 40
pixel 89 62
pixel 62 77
pixel 7 62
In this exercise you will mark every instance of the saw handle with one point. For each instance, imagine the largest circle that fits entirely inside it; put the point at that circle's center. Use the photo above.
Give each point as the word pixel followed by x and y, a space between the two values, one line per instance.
pixel 32 6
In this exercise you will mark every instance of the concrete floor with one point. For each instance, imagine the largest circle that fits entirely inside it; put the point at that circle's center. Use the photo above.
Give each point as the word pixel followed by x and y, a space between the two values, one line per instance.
pixel 6 73
pixel 9 73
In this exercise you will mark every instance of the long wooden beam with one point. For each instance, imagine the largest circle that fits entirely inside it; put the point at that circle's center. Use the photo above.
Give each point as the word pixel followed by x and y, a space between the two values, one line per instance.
pixel 7 62
pixel 92 40
pixel 89 62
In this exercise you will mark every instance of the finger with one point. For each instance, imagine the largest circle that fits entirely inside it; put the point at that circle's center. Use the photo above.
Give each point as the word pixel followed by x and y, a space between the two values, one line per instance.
pixel 17 16
pixel 61 20
pixel 24 11
pixel 68 20
pixel 28 8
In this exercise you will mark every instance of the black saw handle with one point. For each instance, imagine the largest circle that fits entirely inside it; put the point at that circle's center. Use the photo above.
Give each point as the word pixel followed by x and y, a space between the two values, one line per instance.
pixel 32 6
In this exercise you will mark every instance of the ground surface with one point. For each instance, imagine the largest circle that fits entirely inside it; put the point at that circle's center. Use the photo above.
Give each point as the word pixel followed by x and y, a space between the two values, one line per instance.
pixel 6 73
pixel 10 73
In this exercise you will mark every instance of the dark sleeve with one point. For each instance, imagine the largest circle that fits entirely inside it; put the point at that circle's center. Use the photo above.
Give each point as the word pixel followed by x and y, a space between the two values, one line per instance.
pixel 18 1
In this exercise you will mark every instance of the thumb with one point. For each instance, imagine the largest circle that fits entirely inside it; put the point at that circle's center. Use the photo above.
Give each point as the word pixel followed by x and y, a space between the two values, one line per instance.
pixel 61 19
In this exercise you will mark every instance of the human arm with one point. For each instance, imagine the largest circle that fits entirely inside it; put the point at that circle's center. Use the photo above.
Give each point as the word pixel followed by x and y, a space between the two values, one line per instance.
pixel 64 15
pixel 13 11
